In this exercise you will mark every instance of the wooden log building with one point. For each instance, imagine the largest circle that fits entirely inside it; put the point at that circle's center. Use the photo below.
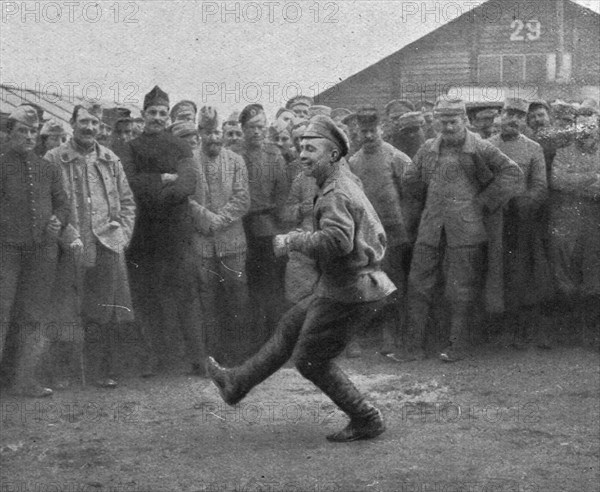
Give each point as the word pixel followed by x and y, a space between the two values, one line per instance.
pixel 521 48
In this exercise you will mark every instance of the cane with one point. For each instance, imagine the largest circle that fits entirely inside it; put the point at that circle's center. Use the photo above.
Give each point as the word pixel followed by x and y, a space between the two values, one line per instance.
pixel 79 300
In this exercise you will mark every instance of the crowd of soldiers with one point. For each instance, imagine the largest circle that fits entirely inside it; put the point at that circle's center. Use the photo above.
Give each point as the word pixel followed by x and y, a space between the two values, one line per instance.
pixel 175 220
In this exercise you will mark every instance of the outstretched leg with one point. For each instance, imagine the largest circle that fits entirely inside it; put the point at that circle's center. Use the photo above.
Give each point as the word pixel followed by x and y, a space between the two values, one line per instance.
pixel 235 383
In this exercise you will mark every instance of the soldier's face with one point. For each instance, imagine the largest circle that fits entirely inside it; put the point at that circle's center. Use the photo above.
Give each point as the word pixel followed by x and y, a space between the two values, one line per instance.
pixel 301 111
pixel 23 137
pixel 212 141
pixel 86 127
pixel 287 117
pixel 370 136
pixel 255 130
pixel 452 128
pixel 283 140
pixel 538 118
pixel 232 134
pixel 155 119
pixel 512 122
pixel 317 156
pixel 124 131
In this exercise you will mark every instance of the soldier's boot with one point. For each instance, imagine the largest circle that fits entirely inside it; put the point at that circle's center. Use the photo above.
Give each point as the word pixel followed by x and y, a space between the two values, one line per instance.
pixel 26 383
pixel 459 334
pixel 418 316
pixel 235 383
pixel 366 421
pixel 105 364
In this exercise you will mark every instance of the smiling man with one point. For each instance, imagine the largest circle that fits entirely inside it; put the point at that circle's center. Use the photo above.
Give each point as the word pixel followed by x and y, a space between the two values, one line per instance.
pixel 92 265
pixel 348 245
pixel 160 170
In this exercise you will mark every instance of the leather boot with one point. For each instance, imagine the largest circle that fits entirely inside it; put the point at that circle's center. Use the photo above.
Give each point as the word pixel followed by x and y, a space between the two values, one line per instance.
pixel 235 383
pixel 366 421
pixel 459 334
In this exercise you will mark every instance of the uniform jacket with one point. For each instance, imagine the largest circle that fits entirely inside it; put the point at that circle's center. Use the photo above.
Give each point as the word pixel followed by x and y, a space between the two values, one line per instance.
pixel 103 296
pixel 465 198
pixel 381 175
pixel 112 203
pixel 31 192
pixel 269 186
pixel 162 207
pixel 222 188
pixel 348 243
pixel 458 195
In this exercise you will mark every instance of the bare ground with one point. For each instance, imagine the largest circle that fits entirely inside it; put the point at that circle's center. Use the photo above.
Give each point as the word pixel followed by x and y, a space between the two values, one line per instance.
pixel 504 420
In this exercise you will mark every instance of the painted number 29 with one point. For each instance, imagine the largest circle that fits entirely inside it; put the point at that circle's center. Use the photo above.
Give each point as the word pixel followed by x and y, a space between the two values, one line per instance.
pixel 533 30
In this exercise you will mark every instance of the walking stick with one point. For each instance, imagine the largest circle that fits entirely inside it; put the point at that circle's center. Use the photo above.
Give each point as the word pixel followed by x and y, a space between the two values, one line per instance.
pixel 79 300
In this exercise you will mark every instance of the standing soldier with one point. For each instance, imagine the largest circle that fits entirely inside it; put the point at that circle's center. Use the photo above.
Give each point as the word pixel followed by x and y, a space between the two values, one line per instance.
pixel 92 264
pixel 460 178
pixel 161 175
pixel 380 168
pixel 575 229
pixel 527 280
pixel 34 210
pixel 348 244
pixel 218 252
pixel 268 193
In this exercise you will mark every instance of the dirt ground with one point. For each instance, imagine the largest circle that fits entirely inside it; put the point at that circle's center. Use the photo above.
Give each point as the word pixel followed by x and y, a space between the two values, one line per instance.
pixel 505 420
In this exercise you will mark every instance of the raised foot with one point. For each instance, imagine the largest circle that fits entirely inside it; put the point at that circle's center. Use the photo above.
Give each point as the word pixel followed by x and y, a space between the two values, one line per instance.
pixel 223 379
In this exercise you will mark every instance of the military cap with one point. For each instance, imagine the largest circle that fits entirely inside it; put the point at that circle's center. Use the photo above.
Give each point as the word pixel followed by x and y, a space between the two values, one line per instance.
pixel 486 114
pixel 156 97
pixel 367 115
pixel 449 107
pixel 183 128
pixel 209 118
pixel 92 107
pixel 398 106
pixel 295 101
pixel 249 112
pixel 184 106
pixel 563 110
pixel 25 114
pixel 411 120
pixel 316 109
pixel 112 116
pixel 538 103
pixel 338 114
pixel 39 110
pixel 324 127
pixel 516 104
pixel 53 127
pixel 233 119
